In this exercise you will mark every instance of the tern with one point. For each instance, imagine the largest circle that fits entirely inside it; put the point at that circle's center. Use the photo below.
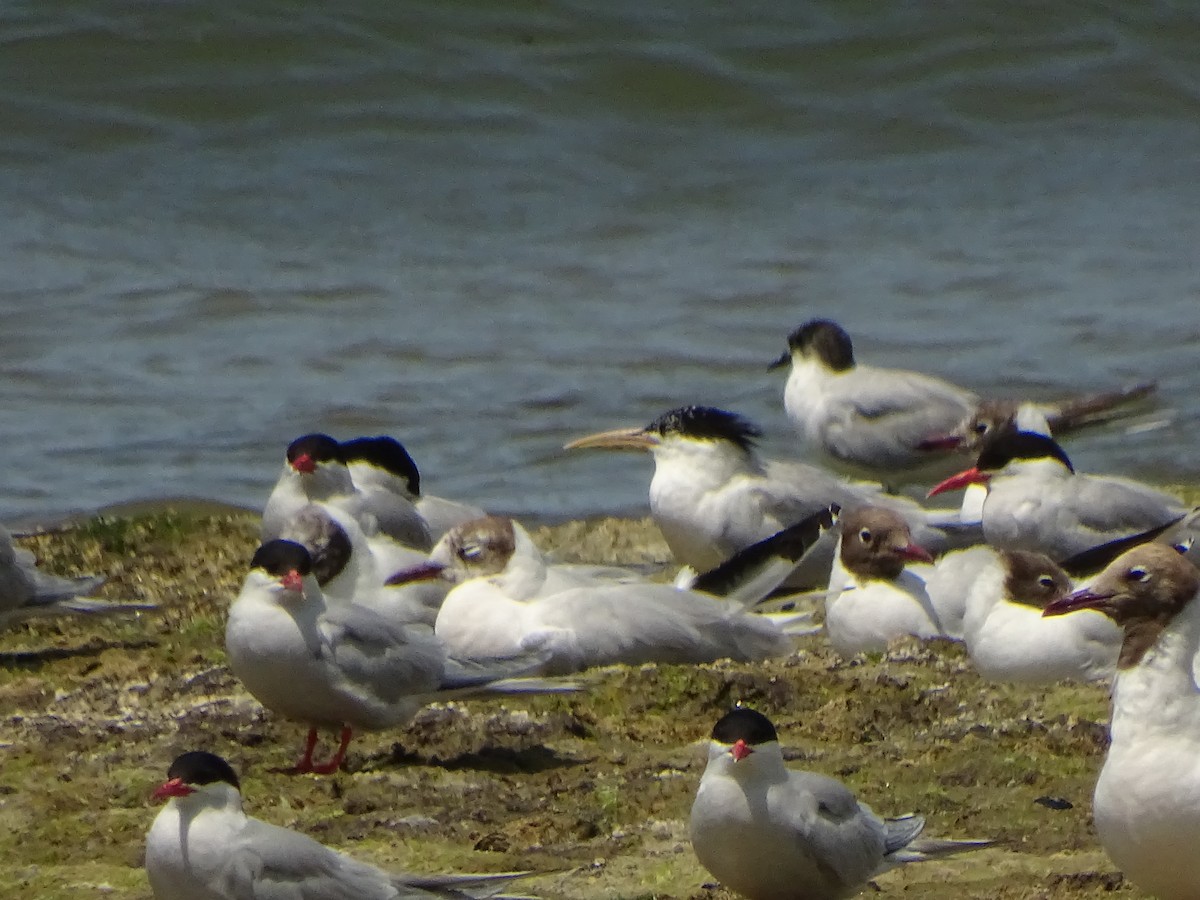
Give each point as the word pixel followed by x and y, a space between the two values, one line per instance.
pixel 203 846
pixel 771 833
pixel 894 424
pixel 343 665
pixel 1147 800
pixel 26 592
pixel 1036 501
pixel 381 464
pixel 315 469
pixel 712 495
pixel 602 622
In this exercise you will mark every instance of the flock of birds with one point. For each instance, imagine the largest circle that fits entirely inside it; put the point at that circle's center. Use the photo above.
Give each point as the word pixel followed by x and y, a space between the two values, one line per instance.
pixel 368 599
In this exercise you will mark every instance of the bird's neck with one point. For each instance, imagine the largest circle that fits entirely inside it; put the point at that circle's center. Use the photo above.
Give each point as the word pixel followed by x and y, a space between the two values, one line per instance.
pixel 1159 694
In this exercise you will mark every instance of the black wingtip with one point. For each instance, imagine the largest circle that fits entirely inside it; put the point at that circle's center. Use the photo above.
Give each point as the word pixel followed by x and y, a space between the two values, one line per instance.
pixel 791 544
pixel 1095 559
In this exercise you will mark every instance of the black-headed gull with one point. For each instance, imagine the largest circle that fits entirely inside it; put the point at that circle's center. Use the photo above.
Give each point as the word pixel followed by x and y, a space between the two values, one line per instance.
pixel 1147 799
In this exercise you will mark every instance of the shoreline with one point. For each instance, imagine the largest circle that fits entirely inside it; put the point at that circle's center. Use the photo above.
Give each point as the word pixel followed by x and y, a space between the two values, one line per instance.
pixel 600 782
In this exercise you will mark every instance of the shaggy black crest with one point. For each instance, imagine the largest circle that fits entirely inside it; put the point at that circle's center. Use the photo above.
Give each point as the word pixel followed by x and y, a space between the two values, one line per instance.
pixel 744 724
pixel 386 453
pixel 201 767
pixel 1006 446
pixel 319 447
pixel 827 340
pixel 708 423
pixel 281 557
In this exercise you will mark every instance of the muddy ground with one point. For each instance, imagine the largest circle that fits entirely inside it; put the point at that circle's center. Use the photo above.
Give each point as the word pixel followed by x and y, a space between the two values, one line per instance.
pixel 93 712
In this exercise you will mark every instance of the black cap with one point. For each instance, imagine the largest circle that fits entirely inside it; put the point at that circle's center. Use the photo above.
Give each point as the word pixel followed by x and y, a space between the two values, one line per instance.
pixel 387 453
pixel 827 339
pixel 319 447
pixel 200 767
pixel 1006 446
pixel 744 724
pixel 707 423
pixel 280 557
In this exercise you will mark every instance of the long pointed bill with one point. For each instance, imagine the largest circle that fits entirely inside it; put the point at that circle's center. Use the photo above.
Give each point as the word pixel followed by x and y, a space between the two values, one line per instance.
pixel 1084 599
pixel 961 480
pixel 617 439
pixel 740 750
pixel 916 553
pixel 426 571
pixel 173 788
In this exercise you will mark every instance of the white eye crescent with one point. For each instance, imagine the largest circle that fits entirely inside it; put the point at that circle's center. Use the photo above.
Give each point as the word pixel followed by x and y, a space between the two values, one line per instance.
pixel 471 552
pixel 865 535
pixel 1138 573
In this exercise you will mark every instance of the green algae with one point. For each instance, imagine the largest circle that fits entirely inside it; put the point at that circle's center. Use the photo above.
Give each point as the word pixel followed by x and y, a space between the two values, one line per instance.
pixel 92 712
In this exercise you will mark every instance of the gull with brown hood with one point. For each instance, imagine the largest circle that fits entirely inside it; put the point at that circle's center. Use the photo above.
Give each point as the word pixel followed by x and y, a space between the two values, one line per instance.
pixel 874 596
pixel 500 605
pixel 1147 800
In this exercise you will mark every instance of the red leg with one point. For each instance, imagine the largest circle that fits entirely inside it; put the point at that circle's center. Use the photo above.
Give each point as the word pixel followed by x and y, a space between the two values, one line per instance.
pixel 335 761
pixel 306 761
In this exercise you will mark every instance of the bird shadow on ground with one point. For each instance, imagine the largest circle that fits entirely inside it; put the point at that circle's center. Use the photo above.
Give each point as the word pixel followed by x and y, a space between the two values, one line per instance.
pixel 32 660
pixel 498 760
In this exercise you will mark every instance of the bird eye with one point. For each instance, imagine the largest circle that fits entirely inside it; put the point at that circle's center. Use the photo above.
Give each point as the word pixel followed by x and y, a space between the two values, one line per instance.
pixel 1046 581
pixel 865 535
pixel 1182 547
pixel 1138 573
pixel 470 552
pixel 981 427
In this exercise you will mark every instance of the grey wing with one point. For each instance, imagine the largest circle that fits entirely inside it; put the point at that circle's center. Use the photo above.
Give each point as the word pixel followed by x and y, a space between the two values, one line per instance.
pixel 15 586
pixel 845 837
pixel 1105 509
pixel 889 414
pixel 387 660
pixel 273 863
pixel 793 491
pixel 21 581
pixel 399 519
pixel 648 623
pixel 796 490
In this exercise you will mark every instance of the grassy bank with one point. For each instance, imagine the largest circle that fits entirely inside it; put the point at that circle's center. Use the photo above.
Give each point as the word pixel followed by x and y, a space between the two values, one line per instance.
pixel 92 712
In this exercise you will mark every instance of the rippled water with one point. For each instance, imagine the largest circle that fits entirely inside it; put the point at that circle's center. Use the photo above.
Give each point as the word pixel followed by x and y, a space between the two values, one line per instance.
pixel 487 228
